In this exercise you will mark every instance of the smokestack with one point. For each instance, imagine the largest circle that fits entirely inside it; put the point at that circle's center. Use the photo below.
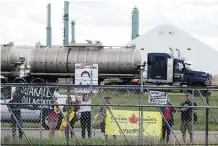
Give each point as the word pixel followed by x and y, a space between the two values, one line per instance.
pixel 73 32
pixel 135 23
pixel 66 20
pixel 48 28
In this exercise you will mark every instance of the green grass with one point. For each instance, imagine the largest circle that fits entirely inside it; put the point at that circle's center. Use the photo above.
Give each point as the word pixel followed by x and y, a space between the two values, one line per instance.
pixel 127 97
pixel 8 140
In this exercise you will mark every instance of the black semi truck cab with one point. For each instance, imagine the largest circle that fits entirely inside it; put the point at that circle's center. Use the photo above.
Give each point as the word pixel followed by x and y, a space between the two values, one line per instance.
pixel 163 68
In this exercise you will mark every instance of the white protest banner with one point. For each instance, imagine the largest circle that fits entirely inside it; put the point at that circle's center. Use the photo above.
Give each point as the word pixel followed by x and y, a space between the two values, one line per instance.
pixel 86 74
pixel 157 97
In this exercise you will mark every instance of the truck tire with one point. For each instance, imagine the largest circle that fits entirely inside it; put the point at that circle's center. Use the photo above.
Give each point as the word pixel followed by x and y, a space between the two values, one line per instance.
pixel 45 118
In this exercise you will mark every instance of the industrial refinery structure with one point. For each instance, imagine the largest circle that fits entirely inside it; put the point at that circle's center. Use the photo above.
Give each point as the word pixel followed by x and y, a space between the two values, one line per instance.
pixel 51 62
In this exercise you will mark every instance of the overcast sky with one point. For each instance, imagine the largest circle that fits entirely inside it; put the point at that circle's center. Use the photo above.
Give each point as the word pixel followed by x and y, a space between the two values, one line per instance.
pixel 24 21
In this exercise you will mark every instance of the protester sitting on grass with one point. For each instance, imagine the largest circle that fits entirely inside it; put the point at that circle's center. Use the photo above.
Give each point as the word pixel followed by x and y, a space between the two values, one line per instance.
pixel 102 113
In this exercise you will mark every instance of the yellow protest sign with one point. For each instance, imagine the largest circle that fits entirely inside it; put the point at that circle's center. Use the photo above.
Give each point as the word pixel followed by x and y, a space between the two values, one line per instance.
pixel 129 123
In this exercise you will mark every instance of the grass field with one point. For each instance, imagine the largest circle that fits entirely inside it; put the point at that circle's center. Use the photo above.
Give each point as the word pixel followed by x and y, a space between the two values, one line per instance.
pixel 176 99
pixel 7 140
pixel 127 97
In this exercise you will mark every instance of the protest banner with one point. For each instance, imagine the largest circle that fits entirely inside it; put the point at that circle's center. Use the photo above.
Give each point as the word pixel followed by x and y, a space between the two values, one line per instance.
pixel 129 123
pixel 157 97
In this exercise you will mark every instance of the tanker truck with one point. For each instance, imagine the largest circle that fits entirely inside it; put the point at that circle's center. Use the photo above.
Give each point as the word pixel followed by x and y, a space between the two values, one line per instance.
pixel 50 63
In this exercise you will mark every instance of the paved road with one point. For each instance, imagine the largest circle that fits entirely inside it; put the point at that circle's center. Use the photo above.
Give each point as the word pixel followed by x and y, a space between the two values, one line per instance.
pixel 198 135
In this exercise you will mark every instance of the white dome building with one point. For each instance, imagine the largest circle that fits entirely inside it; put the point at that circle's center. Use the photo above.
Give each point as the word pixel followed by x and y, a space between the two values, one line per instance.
pixel 159 39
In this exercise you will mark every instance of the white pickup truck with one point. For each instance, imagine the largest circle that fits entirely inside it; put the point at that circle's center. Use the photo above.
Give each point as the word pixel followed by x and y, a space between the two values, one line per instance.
pixel 32 115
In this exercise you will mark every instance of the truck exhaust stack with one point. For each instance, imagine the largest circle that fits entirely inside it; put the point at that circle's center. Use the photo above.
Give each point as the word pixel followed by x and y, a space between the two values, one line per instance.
pixel 172 52
pixel 179 53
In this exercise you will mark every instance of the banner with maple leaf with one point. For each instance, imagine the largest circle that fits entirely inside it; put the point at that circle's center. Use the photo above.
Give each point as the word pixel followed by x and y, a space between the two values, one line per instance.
pixel 129 123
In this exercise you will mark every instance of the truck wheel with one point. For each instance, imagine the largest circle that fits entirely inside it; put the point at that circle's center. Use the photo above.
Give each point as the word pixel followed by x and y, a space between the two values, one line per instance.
pixel 45 118
pixel 45 122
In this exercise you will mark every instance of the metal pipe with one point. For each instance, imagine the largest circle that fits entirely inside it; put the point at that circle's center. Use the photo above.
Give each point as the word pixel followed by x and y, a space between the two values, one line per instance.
pixel 213 115
pixel 119 105
pixel 73 32
pixel 135 23
pixel 66 24
pixel 207 121
pixel 172 52
pixel 141 114
pixel 48 28
pixel 179 53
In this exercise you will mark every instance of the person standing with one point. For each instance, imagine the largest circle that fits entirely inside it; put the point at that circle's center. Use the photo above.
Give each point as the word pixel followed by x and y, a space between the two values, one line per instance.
pixel 168 114
pixel 102 114
pixel 70 109
pixel 75 118
pixel 85 119
pixel 53 119
pixel 186 116
pixel 16 119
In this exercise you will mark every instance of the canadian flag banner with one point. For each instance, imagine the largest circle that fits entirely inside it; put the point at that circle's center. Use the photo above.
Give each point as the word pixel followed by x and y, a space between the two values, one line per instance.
pixel 129 121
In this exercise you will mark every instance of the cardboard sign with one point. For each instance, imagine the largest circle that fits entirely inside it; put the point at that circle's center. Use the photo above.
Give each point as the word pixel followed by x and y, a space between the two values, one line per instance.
pixel 157 97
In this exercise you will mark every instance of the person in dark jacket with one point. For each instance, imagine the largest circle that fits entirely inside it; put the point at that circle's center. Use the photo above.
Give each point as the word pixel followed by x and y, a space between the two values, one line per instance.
pixel 75 107
pixel 16 116
pixel 186 116
pixel 168 114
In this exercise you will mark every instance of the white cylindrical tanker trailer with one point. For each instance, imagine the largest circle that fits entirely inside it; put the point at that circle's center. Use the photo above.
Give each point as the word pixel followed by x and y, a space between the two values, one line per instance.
pixel 48 63
pixel 52 62
pixel 10 62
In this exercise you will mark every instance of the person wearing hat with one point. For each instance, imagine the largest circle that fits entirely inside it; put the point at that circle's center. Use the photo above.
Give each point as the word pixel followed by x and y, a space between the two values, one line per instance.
pixel 102 113
pixel 186 116
pixel 168 114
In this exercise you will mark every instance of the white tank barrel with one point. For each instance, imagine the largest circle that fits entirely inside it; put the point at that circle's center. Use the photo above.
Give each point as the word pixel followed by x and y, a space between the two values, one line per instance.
pixel 59 59
pixel 9 57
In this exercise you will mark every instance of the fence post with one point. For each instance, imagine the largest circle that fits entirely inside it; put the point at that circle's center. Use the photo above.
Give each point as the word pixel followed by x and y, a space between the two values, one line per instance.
pixel 192 134
pixel 91 102
pixel 67 128
pixel 141 108
pixel 41 118
pixel 206 126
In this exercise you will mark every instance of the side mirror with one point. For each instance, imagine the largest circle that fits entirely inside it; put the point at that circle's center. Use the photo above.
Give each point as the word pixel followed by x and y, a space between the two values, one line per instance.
pixel 149 62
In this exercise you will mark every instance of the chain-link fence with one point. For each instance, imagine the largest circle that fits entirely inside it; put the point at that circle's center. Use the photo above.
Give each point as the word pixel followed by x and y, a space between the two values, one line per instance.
pixel 63 115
